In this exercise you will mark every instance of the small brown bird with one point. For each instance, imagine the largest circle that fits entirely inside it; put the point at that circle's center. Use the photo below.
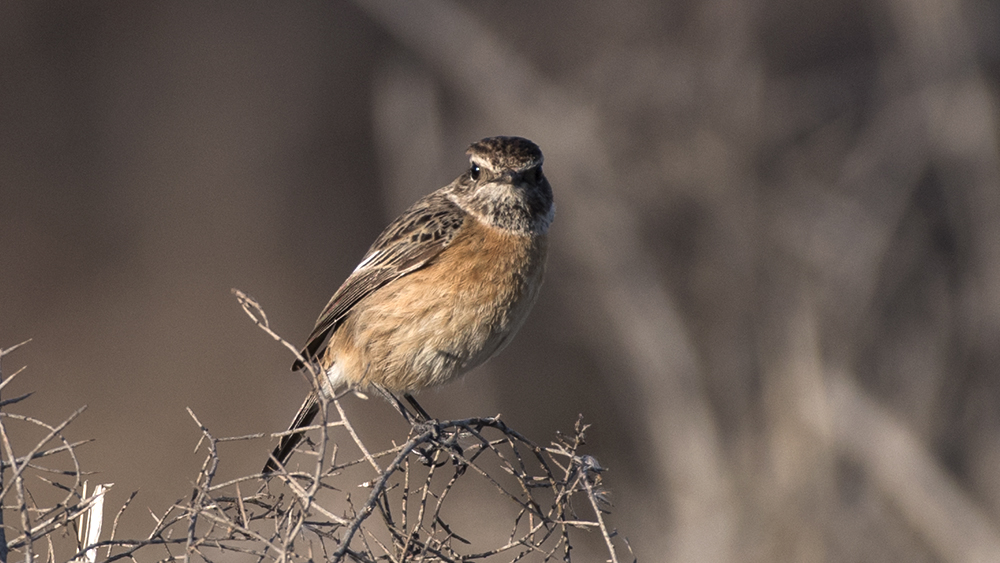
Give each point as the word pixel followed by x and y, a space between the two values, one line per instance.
pixel 442 289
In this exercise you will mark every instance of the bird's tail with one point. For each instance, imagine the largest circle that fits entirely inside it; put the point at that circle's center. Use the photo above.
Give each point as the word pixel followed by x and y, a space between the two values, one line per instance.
pixel 307 412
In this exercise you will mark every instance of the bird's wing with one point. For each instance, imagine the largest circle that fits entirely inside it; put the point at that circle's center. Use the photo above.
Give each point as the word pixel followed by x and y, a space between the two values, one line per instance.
pixel 409 243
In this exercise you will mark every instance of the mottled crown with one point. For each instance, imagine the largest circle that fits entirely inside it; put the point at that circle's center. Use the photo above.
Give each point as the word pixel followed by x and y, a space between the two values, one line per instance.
pixel 505 153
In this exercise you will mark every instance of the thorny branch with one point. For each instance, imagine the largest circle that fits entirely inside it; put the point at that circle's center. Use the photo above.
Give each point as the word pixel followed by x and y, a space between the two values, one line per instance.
pixel 540 498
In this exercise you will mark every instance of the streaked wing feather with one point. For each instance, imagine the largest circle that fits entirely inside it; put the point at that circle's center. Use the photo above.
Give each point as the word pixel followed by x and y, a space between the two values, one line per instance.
pixel 411 242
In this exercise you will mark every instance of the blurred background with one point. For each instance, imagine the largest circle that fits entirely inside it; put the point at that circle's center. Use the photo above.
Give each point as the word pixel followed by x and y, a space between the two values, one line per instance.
pixel 774 285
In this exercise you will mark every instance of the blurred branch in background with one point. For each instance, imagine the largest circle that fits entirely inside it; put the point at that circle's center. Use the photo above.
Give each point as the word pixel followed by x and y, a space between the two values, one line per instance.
pixel 956 528
pixel 801 242
pixel 619 274
pixel 773 287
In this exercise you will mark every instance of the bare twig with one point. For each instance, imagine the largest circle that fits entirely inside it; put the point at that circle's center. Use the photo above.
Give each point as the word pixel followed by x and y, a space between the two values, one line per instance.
pixel 301 520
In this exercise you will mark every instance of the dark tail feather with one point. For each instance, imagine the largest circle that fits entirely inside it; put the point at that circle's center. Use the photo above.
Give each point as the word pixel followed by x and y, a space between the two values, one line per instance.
pixel 307 412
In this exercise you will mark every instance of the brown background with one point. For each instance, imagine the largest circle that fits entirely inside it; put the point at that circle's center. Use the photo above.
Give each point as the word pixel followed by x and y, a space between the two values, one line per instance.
pixel 775 278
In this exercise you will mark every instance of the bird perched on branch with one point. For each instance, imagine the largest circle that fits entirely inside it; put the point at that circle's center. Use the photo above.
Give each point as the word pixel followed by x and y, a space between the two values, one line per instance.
pixel 441 290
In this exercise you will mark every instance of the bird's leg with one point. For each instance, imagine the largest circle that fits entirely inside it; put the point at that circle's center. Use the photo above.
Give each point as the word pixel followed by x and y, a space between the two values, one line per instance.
pixel 446 441
pixel 420 422
pixel 421 413
pixel 395 402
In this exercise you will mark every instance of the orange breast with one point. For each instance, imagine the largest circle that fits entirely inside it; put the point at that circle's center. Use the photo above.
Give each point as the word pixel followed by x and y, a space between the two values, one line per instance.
pixel 445 319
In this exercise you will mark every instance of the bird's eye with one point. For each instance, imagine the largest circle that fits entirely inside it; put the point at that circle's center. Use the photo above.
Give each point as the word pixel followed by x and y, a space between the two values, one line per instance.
pixel 474 172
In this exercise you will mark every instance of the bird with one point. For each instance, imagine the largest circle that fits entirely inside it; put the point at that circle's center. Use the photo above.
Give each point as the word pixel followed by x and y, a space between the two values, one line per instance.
pixel 443 289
